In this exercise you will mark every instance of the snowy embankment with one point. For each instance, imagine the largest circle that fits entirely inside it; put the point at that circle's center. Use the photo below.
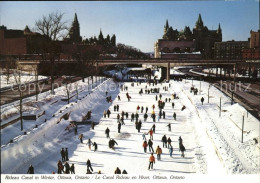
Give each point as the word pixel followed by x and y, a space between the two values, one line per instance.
pixel 225 131
pixel 40 144
pixel 51 104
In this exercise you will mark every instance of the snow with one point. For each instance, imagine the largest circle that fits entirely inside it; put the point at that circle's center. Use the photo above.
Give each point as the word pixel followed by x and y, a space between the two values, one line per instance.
pixel 213 143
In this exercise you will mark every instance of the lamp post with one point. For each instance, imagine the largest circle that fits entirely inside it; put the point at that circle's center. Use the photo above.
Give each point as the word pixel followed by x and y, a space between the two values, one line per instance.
pixel 208 93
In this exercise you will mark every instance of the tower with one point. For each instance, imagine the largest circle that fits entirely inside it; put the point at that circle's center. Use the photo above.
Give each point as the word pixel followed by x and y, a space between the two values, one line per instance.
pixel 74 32
pixel 199 24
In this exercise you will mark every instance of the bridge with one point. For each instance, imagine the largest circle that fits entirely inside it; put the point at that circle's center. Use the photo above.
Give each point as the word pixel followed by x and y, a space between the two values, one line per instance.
pixel 166 64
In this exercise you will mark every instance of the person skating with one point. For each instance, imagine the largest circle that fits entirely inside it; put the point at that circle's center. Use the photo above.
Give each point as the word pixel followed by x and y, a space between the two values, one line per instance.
pixel 150 144
pixel 95 146
pixel 169 140
pixel 112 143
pixel 169 127
pixel 163 115
pixel 143 135
pixel 137 109
pixel 182 149
pixel 108 113
pixel 151 161
pixel 142 109
pixel 139 126
pixel 67 167
pixel 156 98
pixel 105 113
pixel 164 140
pixel 145 146
pixel 158 152
pixel 117 107
pixel 153 127
pixel 30 170
pixel 117 171
pixel 180 142
pixel 60 167
pixel 62 153
pixel 145 116
pixel 89 165
pixel 124 172
pixel 118 117
pixel 171 151
pixel 151 134
pixel 114 108
pixel 89 143
pixel 174 116
pixel 118 97
pixel 126 115
pixel 202 100
pixel 72 169
pixel 136 117
pixel 132 117
pixel 66 154
pixel 146 109
pixel 119 127
pixel 183 107
pixel 107 132
pixel 81 138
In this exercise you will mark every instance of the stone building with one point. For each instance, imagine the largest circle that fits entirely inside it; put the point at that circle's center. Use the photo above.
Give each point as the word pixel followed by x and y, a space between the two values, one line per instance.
pixel 252 53
pixel 200 39
pixel 74 32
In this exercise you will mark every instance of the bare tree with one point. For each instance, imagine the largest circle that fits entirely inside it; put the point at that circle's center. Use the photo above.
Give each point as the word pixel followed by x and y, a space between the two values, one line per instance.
pixel 55 28
pixel 20 80
pixel 52 26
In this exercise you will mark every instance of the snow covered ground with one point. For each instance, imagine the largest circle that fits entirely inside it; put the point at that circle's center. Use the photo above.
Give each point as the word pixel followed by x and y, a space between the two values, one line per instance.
pixel 25 78
pixel 213 144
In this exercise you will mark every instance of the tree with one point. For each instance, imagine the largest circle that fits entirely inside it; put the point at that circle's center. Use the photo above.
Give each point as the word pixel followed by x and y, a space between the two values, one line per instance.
pixel 55 28
pixel 52 26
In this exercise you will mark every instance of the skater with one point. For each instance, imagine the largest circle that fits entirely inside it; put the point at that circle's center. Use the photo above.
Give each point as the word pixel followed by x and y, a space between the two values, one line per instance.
pixel 137 109
pixel 171 151
pixel 108 113
pixel 76 129
pixel 60 167
pixel 95 146
pixel 158 152
pixel 145 146
pixel 124 172
pixel 92 125
pixel 156 97
pixel 67 167
pixel 117 107
pixel 143 135
pixel 89 143
pixel 153 116
pixel 151 161
pixel 136 117
pixel 107 132
pixel 117 171
pixel 174 116
pixel 173 105
pixel 113 142
pixel 72 169
pixel 163 115
pixel 142 109
pixel 132 117
pixel 66 154
pixel 30 170
pixel 150 144
pixel 62 153
pixel 182 149
pixel 81 138
pixel 169 142
pixel 180 142
pixel 126 115
pixel 164 140
pixel 202 100
pixel 114 108
pixel 139 126
pixel 153 127
pixel 105 113
pixel 183 107
pixel 118 117
pixel 122 120
pixel 146 109
pixel 89 165
pixel 151 134
pixel 118 97
pixel 119 127
pixel 169 127
pixel 145 116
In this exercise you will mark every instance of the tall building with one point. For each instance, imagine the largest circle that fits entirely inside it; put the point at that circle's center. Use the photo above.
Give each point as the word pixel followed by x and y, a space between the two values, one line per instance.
pixel 254 39
pixel 74 33
pixel 200 39
pixel 253 52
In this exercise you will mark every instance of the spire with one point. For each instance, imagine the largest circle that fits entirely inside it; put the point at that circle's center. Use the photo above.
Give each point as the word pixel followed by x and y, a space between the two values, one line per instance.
pixel 75 18
pixel 219 29
pixel 27 29
pixel 167 25
pixel 199 23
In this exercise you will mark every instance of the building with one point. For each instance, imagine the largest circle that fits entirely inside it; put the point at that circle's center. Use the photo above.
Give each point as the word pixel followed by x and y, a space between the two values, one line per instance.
pixel 254 39
pixel 74 33
pixel 252 53
pixel 20 42
pixel 230 50
pixel 200 39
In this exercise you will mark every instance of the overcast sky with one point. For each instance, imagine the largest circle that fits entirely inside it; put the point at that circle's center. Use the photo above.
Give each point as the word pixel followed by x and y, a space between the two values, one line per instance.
pixel 139 24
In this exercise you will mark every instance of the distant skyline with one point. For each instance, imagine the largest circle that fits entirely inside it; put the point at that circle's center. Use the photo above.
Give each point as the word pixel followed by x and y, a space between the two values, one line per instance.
pixel 138 23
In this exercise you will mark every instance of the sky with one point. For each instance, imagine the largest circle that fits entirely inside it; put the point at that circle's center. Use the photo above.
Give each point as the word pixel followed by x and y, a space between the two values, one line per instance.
pixel 138 23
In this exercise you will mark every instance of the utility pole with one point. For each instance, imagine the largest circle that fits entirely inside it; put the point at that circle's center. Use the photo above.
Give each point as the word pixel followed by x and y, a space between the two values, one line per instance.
pixel 220 107
pixel 243 128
